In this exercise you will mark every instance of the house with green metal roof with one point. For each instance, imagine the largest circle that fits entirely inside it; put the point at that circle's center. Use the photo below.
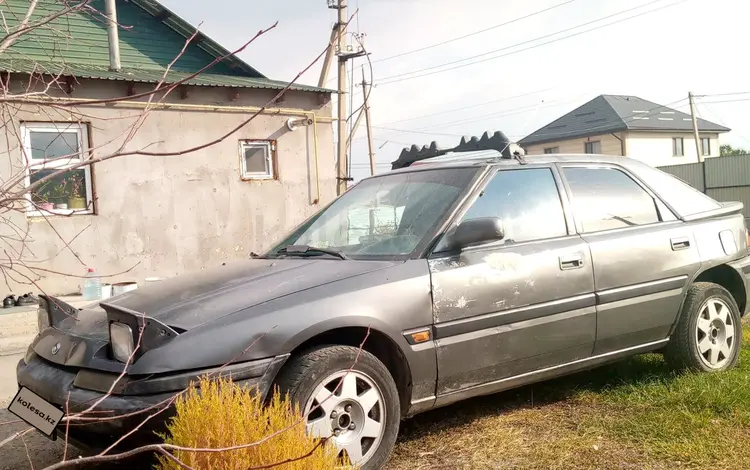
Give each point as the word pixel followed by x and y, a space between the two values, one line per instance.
pixel 628 126
pixel 199 185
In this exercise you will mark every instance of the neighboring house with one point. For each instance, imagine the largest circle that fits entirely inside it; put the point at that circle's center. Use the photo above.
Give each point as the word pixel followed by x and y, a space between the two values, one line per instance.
pixel 157 215
pixel 627 126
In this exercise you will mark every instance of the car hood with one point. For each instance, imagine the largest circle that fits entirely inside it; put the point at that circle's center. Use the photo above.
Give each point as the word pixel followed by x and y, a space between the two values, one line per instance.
pixel 190 300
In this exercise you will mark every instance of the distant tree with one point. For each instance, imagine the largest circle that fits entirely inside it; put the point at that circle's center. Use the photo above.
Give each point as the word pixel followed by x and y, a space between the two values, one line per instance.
pixel 729 151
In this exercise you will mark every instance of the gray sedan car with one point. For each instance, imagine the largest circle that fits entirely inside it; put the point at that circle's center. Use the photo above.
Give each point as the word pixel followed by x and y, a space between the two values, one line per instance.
pixel 462 275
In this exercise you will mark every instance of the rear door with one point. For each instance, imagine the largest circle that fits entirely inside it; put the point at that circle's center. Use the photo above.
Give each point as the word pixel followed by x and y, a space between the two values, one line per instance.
pixel 521 304
pixel 643 256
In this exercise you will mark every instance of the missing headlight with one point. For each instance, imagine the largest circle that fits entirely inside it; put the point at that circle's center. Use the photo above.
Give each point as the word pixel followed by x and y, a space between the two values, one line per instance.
pixel 121 339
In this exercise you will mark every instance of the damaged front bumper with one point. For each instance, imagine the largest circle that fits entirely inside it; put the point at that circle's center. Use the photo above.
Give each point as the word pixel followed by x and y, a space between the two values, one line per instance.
pixel 133 399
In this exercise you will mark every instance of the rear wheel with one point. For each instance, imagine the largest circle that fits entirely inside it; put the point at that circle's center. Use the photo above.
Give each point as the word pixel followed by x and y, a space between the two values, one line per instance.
pixel 709 332
pixel 348 395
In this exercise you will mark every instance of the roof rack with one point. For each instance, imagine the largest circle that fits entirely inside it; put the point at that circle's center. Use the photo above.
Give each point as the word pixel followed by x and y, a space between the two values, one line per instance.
pixel 498 142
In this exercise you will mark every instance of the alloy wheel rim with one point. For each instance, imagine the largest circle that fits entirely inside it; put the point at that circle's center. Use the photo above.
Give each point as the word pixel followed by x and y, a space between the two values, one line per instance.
pixel 714 333
pixel 348 408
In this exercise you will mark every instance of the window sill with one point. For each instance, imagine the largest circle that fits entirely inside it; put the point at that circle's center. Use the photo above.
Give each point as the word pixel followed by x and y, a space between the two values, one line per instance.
pixel 58 213
pixel 258 178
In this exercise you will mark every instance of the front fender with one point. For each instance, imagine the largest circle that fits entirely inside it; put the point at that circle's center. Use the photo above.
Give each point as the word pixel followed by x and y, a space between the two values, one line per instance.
pixel 391 300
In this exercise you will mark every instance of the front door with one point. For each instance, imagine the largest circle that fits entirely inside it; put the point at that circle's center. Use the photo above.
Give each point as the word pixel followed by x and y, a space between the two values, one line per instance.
pixel 643 256
pixel 521 304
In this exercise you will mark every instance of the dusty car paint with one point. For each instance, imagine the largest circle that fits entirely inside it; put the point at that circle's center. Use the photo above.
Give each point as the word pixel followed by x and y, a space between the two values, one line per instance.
pixel 500 315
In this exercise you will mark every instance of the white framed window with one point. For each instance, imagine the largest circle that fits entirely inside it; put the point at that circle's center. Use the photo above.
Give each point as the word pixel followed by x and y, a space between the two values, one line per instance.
pixel 678 147
pixel 48 149
pixel 258 159
pixel 705 146
pixel 594 147
pixel 551 150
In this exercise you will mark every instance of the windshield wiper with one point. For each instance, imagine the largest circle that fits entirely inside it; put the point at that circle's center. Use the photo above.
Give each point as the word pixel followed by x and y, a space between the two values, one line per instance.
pixel 307 250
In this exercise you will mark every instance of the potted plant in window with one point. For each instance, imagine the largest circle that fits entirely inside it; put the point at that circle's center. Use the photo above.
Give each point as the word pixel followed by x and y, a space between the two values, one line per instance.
pixel 77 199
pixel 58 194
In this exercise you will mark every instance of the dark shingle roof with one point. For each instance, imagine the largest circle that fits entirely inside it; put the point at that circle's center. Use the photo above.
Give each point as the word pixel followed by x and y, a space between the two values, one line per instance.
pixel 616 113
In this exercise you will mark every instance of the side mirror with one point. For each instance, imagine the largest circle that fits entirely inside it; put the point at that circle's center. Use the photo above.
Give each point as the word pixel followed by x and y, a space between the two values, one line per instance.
pixel 477 231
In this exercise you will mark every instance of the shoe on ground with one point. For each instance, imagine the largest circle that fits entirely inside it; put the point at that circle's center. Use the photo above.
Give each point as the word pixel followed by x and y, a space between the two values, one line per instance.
pixel 9 301
pixel 27 299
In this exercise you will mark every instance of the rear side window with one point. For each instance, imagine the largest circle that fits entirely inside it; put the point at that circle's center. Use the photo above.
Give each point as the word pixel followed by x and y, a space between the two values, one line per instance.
pixel 606 199
pixel 527 201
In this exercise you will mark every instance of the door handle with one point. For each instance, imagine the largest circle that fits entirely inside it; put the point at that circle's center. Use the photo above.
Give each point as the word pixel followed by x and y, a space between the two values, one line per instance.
pixel 680 243
pixel 571 261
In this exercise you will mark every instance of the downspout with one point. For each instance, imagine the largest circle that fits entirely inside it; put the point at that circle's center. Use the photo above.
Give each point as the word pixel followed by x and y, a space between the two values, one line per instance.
pixel 622 143
pixel 110 9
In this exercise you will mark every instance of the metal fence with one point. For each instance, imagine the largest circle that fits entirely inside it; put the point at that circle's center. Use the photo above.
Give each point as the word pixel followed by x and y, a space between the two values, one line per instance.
pixel 726 178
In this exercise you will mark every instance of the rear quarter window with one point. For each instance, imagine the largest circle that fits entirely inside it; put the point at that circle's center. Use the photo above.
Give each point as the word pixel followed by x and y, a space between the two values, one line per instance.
pixel 682 197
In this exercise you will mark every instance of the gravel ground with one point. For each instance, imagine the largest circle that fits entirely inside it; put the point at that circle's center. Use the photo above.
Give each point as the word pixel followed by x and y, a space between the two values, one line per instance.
pixel 41 451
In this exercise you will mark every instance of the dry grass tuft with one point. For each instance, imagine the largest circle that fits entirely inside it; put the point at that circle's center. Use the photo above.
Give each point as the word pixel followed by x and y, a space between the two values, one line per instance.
pixel 222 414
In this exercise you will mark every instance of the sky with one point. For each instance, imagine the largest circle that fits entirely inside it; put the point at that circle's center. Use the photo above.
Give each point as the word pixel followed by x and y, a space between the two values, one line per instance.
pixel 658 50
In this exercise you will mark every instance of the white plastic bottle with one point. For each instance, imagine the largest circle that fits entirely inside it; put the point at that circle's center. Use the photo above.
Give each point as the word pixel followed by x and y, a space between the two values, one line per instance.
pixel 92 285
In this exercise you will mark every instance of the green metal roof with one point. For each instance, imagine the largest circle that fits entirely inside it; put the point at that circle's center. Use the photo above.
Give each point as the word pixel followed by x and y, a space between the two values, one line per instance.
pixel 151 37
pixel 101 72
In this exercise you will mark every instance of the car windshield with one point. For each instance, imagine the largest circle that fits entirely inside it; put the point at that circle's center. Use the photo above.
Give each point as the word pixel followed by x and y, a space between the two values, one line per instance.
pixel 387 216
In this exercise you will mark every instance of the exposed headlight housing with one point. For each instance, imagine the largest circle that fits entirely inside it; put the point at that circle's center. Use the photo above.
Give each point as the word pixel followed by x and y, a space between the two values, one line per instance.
pixel 42 319
pixel 121 339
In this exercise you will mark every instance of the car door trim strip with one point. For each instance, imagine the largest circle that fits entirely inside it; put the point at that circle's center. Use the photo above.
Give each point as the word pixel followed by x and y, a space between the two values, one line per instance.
pixel 640 290
pixel 531 312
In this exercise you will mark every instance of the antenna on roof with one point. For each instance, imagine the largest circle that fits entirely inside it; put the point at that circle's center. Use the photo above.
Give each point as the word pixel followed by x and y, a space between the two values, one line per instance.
pixel 498 142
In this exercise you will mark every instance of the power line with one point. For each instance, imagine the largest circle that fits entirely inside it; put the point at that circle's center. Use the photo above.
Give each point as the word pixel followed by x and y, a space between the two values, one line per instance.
pixel 514 20
pixel 504 113
pixel 723 94
pixel 716 117
pixel 498 114
pixel 728 101
pixel 401 77
pixel 483 103
pixel 551 134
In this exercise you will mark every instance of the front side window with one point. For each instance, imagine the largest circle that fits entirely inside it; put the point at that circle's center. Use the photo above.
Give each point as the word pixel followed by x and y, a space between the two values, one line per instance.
pixel 257 159
pixel 387 216
pixel 526 201
pixel 705 146
pixel 607 198
pixel 48 150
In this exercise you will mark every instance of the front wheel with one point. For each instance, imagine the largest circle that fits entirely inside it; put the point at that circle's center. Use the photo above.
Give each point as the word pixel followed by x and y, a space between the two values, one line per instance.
pixel 353 400
pixel 709 333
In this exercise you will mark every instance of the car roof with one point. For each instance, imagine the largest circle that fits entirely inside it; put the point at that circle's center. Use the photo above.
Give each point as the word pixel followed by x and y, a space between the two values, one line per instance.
pixel 495 158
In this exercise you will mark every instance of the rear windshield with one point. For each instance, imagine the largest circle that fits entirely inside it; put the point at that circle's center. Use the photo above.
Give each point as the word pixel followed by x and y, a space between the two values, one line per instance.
pixel 685 199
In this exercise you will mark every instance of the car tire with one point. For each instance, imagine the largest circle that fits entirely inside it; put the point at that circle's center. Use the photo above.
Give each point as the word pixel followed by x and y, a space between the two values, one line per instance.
pixel 708 335
pixel 315 373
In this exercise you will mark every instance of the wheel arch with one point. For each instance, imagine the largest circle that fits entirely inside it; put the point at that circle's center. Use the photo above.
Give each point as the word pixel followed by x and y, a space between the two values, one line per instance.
pixel 727 277
pixel 723 275
pixel 373 340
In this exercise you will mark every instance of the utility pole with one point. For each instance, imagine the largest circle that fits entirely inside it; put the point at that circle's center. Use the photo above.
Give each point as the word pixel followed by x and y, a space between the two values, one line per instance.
pixel 344 55
pixel 343 170
pixel 329 56
pixel 695 128
pixel 366 87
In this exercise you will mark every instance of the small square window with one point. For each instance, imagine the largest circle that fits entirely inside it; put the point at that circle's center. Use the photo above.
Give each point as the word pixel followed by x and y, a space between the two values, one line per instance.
pixel 678 147
pixel 593 147
pixel 551 150
pixel 705 146
pixel 49 149
pixel 257 159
